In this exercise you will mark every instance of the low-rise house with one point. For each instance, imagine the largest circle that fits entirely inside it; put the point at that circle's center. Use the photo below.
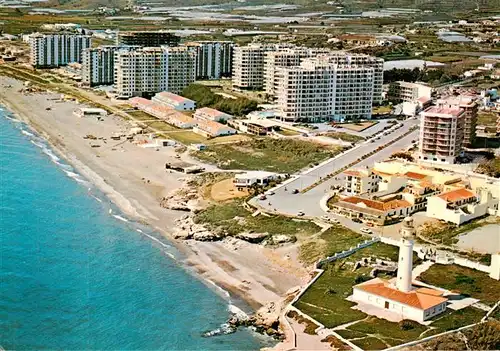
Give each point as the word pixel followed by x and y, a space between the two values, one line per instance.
pixel 248 179
pixel 380 211
pixel 182 121
pixel 210 114
pixel 255 126
pixel 361 181
pixel 211 129
pixel 174 101
pixel 462 205
pixel 140 103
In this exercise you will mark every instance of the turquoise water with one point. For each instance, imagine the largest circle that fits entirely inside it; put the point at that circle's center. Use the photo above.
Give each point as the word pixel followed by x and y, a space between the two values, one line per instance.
pixel 74 277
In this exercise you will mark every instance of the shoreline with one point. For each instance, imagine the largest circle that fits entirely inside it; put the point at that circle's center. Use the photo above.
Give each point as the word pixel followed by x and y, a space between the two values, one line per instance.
pixel 230 270
pixel 126 208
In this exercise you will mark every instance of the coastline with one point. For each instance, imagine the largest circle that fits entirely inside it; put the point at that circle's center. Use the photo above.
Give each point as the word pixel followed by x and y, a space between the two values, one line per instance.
pixel 230 266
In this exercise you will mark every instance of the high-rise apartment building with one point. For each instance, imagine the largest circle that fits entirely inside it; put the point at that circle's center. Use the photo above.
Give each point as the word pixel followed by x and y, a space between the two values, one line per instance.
pixel 470 106
pixel 409 91
pixel 54 50
pixel 248 65
pixel 141 72
pixel 361 60
pixel 146 71
pixel 147 38
pixel 286 57
pixel 98 65
pixel 318 90
pixel 441 134
pixel 181 68
pixel 213 58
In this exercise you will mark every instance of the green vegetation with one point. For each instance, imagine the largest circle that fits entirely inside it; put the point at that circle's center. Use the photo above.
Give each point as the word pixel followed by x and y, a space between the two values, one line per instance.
pixel 350 334
pixel 186 137
pixel 450 319
pixel 434 76
pixel 490 167
pixel 333 240
pixel 325 300
pixel 310 326
pixel 204 97
pixel 288 132
pixel 390 332
pixel 344 136
pixel 370 343
pixel 275 155
pixel 222 217
pixel 466 281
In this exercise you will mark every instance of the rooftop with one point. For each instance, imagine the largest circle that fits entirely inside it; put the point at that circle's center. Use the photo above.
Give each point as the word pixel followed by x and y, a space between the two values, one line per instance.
pixel 173 97
pixel 211 126
pixel 210 112
pixel 356 173
pixel 455 112
pixel 422 298
pixel 457 195
pixel 376 205
pixel 415 176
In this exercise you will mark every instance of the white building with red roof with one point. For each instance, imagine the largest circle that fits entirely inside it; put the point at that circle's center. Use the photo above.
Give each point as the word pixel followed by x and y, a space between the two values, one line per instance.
pixel 211 114
pixel 401 297
pixel 174 101
pixel 462 205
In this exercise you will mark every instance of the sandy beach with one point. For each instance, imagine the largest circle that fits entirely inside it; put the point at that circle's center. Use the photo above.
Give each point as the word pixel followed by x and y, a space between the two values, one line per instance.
pixel 135 179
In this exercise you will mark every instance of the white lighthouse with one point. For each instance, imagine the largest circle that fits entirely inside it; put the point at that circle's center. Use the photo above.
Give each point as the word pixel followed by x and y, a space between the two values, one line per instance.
pixel 405 262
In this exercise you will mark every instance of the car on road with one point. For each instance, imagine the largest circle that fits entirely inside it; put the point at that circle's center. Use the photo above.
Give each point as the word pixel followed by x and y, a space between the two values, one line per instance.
pixel 300 213
pixel 270 193
pixel 357 220
pixel 366 230
pixel 295 191
pixel 262 197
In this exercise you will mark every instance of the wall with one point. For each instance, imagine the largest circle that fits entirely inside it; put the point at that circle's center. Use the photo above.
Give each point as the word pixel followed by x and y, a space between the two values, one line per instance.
pixel 346 253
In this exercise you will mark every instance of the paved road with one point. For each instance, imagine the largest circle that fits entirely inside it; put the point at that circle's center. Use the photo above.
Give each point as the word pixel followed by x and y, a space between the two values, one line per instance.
pixel 284 202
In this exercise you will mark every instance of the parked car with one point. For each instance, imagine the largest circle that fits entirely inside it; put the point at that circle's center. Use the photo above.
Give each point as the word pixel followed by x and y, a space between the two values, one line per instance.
pixel 270 192
pixel 366 230
pixel 357 220
pixel 295 191
pixel 262 197
pixel 300 213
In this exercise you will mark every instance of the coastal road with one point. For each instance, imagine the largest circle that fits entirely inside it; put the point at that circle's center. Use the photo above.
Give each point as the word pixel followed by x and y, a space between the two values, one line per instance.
pixel 284 202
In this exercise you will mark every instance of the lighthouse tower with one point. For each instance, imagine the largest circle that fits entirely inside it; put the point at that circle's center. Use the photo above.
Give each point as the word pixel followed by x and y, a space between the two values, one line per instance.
pixel 405 262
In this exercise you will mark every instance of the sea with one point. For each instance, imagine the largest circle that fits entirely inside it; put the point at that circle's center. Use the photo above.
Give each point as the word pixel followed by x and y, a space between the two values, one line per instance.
pixel 76 274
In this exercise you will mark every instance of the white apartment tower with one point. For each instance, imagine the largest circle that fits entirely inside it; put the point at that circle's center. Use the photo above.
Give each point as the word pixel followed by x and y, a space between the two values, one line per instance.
pixel 98 65
pixel 54 50
pixel 470 106
pixel 248 65
pixel 441 134
pixel 181 68
pixel 362 60
pixel 287 57
pixel 318 90
pixel 141 72
pixel 213 58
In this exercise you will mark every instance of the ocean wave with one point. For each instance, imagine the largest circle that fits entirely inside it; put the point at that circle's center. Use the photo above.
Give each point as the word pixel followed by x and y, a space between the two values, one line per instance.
pixel 223 291
pixel 25 132
pixel 224 329
pixel 121 218
pixel 15 120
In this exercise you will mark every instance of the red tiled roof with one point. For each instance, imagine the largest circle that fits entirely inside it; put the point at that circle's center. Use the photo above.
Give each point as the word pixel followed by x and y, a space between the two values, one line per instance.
pixel 421 298
pixel 457 195
pixel 354 173
pixel 377 205
pixel 173 97
pixel 415 176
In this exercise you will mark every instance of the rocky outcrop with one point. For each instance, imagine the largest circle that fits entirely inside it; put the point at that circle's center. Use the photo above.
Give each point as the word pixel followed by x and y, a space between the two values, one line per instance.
pixel 253 238
pixel 186 229
pixel 279 239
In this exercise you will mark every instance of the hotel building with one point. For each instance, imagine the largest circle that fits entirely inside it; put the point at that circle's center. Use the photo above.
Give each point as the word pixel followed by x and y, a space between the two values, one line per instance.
pixel 54 50
pixel 181 68
pixel 213 58
pixel 441 134
pixel 408 91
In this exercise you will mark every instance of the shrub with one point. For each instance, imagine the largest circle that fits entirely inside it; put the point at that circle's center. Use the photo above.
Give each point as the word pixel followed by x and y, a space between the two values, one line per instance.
pixel 407 324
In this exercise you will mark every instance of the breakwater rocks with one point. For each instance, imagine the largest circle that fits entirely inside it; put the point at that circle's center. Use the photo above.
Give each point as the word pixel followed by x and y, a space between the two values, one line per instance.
pixel 265 321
